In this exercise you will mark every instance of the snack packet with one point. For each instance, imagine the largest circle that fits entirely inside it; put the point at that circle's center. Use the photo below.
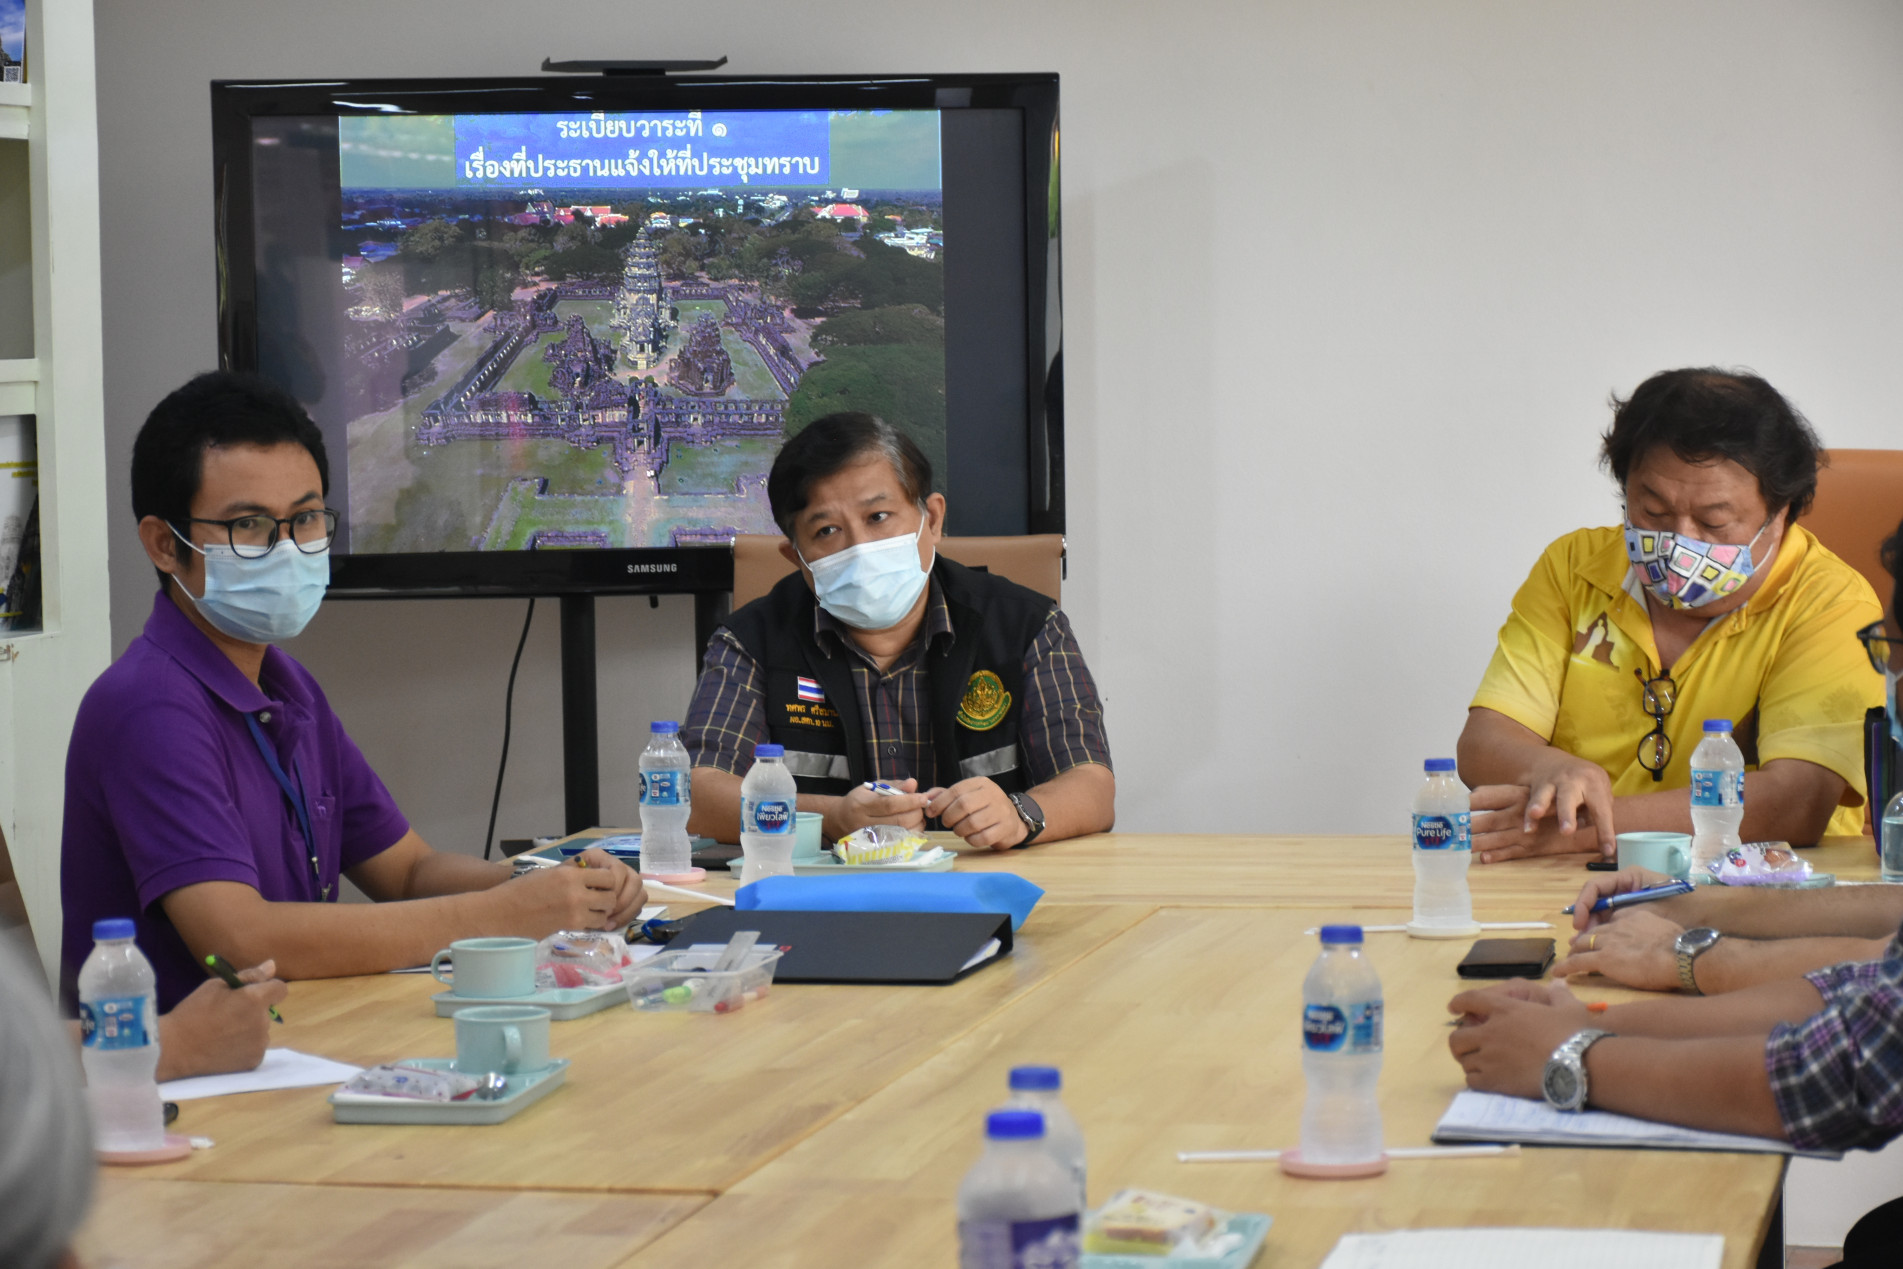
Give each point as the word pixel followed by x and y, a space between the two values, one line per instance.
pixel 580 958
pixel 1145 1223
pixel 879 844
pixel 1762 864
pixel 412 1083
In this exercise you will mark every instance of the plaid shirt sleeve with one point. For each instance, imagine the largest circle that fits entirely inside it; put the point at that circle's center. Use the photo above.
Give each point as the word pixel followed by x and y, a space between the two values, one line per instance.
pixel 1837 1077
pixel 1063 719
pixel 728 716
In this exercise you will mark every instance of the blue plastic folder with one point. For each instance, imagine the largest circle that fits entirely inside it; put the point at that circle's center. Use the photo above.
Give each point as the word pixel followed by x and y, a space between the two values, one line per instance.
pixel 915 892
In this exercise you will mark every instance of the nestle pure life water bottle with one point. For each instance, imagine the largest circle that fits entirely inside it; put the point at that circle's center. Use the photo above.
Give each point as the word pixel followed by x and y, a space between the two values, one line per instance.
pixel 1037 1088
pixel 119 1026
pixel 666 801
pixel 1341 1055
pixel 1717 797
pixel 1018 1207
pixel 1443 847
pixel 768 803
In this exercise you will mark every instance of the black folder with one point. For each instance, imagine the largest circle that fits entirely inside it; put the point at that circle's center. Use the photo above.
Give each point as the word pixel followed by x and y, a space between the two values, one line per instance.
pixel 924 948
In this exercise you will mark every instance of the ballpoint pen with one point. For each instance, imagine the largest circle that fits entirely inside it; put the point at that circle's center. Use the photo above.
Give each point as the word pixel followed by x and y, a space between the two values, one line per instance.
pixel 223 968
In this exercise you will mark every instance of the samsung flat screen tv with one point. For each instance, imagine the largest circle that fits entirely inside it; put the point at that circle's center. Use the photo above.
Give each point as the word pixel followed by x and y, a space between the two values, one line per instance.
pixel 555 330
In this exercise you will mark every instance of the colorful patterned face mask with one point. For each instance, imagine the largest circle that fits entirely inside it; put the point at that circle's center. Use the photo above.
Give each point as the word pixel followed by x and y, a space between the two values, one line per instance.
pixel 1686 573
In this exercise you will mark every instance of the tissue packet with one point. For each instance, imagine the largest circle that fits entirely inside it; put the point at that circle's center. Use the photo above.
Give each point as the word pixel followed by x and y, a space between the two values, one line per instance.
pixel 413 1083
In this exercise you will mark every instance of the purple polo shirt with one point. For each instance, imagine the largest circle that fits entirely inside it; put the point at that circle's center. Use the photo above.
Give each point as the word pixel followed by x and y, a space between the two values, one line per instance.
pixel 166 787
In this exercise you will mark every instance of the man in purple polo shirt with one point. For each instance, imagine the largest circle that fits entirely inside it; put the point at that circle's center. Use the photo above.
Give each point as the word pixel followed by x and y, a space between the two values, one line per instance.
pixel 211 793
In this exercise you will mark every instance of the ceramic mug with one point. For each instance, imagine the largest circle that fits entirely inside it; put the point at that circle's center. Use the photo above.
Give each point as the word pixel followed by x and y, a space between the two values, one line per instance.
pixel 1669 853
pixel 487 969
pixel 504 1038
pixel 807 838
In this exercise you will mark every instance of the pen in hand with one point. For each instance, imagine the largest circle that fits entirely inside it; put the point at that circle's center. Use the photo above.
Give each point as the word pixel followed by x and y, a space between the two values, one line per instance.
pixel 1669 890
pixel 223 968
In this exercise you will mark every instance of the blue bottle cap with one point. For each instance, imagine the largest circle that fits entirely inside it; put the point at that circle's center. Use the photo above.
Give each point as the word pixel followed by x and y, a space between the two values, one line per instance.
pixel 113 928
pixel 1440 764
pixel 1333 934
pixel 1036 1078
pixel 664 728
pixel 1014 1125
pixel 769 751
pixel 1717 724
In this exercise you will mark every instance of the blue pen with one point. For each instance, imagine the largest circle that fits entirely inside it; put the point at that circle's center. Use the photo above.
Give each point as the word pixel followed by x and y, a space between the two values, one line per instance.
pixel 1669 890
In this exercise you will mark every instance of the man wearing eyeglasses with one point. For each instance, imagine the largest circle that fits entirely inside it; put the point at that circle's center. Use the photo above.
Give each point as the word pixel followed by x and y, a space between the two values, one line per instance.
pixel 211 793
pixel 1709 601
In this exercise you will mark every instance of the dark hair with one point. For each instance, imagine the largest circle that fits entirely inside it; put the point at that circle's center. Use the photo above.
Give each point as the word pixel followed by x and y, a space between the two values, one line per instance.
pixel 833 443
pixel 1706 414
pixel 1893 560
pixel 216 409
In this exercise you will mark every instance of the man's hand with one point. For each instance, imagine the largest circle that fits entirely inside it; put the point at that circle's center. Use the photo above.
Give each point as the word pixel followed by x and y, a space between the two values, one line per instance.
pixel 218 1028
pixel 1633 949
pixel 604 895
pixel 1507 1033
pixel 862 806
pixel 1505 825
pixel 980 812
pixel 1605 885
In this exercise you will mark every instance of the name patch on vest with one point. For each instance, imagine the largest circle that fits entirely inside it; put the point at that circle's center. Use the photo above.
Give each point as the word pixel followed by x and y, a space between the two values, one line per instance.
pixel 986 702
pixel 803 714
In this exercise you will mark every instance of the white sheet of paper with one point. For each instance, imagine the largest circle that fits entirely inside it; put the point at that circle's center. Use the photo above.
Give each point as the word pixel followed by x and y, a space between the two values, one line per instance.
pixel 1497 1117
pixel 982 955
pixel 281 1068
pixel 1517 1248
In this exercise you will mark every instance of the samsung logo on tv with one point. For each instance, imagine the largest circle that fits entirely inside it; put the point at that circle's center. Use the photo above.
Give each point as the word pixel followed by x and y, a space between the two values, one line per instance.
pixel 654 568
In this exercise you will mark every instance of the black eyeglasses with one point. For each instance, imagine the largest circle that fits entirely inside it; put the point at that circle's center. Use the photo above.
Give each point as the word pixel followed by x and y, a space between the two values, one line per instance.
pixel 252 537
pixel 1886 654
pixel 1657 698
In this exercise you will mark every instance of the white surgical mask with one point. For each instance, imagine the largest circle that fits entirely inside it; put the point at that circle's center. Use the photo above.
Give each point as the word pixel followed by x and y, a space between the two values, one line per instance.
pixel 873 585
pixel 261 600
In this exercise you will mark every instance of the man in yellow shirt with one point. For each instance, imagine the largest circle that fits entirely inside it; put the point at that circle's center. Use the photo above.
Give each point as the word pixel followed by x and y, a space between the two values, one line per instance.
pixel 1709 602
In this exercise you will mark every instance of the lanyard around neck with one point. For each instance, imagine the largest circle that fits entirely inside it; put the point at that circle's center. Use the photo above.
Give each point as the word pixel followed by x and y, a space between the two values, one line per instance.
pixel 293 795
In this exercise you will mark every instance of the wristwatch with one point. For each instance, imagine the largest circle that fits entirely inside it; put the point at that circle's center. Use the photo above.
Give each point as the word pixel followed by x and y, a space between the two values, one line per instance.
pixel 1688 947
pixel 1030 813
pixel 1564 1079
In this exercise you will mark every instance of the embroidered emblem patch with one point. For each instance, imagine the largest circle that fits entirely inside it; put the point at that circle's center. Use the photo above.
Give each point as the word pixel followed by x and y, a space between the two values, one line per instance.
pixel 986 702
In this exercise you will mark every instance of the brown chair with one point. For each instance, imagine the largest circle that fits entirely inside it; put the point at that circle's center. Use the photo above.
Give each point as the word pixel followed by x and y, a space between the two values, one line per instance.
pixel 1859 502
pixel 1036 561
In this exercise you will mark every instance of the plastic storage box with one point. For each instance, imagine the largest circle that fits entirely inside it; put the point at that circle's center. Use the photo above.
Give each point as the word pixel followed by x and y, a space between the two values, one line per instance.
pixel 686 981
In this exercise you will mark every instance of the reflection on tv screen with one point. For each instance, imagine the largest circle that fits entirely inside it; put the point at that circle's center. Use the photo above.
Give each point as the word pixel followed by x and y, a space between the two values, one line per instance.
pixel 581 331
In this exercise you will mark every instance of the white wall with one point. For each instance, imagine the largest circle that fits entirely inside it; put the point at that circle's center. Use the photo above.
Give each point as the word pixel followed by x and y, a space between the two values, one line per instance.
pixel 1348 285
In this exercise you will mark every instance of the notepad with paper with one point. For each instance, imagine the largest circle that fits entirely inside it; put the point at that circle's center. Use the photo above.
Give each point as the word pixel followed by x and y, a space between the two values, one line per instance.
pixel 1517 1248
pixel 1495 1117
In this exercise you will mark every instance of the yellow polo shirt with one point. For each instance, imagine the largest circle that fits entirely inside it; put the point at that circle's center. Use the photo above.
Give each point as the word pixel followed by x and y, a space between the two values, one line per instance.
pixel 1786 668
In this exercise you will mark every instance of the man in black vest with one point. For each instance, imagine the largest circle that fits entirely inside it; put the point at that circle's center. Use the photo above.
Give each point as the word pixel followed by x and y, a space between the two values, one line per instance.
pixel 882 662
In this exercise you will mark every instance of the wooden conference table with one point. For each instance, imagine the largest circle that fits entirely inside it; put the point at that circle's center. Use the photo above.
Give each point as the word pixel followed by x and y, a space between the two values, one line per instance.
pixel 830 1125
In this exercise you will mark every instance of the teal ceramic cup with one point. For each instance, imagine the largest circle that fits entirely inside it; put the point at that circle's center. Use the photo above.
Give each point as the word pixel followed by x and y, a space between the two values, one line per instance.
pixel 487 969
pixel 508 1039
pixel 1669 853
pixel 807 838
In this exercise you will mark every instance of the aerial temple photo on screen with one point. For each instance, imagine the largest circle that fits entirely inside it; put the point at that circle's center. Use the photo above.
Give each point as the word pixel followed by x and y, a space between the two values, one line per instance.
pixel 589 331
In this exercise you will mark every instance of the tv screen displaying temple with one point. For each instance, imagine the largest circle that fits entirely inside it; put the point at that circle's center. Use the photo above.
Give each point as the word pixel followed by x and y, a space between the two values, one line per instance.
pixel 570 329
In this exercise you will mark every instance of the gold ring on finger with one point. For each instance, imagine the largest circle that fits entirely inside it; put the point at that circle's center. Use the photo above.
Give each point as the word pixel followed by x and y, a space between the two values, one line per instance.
pixel 1592 943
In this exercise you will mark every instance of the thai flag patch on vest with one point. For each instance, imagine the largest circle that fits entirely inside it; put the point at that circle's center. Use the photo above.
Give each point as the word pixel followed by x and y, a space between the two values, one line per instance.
pixel 809 689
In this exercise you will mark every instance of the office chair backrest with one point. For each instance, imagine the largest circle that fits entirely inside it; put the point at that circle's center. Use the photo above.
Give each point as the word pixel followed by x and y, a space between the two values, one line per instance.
pixel 1859 502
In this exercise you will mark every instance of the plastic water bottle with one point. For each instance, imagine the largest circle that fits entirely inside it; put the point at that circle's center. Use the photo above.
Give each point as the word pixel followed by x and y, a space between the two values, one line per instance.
pixel 1036 1088
pixel 119 1020
pixel 1017 1208
pixel 1443 848
pixel 666 800
pixel 1341 1053
pixel 768 802
pixel 1717 797
pixel 1891 839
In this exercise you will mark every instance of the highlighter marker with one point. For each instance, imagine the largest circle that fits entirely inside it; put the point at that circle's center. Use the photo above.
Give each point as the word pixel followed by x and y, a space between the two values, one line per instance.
pixel 223 968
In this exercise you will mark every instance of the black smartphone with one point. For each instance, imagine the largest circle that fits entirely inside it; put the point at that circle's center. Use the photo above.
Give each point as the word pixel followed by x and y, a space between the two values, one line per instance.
pixel 1507 958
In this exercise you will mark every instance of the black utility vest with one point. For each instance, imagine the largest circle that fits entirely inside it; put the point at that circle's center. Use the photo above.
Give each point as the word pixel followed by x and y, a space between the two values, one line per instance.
pixel 976 681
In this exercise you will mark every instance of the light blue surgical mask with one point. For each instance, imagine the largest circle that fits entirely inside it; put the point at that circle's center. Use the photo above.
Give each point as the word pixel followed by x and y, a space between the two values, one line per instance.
pixel 261 600
pixel 873 585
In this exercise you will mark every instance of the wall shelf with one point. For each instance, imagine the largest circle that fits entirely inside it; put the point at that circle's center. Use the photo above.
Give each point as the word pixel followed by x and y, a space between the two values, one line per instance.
pixel 19 386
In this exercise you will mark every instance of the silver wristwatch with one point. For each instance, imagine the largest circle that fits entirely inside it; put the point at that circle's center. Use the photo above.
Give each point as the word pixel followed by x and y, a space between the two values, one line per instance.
pixel 1688 947
pixel 1564 1079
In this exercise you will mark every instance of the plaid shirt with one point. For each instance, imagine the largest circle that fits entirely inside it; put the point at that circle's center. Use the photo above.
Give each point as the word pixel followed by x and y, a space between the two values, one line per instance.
pixel 1838 1076
pixel 1061 726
